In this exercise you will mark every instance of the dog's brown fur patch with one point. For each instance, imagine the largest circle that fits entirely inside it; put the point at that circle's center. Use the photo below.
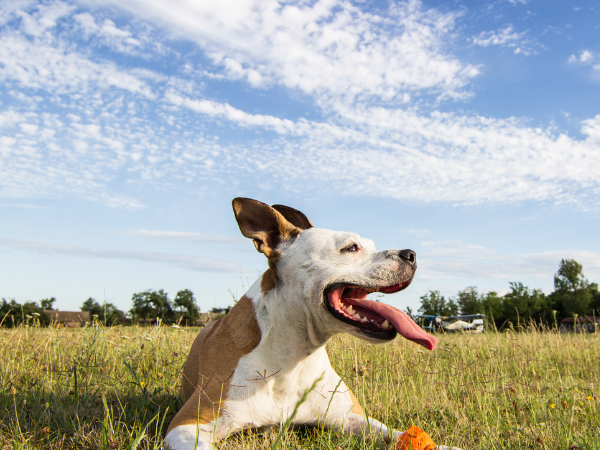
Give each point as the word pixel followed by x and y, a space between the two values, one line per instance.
pixel 268 280
pixel 356 408
pixel 212 360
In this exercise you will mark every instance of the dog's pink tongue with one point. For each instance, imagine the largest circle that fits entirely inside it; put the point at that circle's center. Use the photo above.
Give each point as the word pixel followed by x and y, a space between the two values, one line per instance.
pixel 401 322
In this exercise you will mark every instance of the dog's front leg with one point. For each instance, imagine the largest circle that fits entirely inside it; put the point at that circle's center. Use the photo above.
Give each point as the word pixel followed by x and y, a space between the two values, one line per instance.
pixel 345 413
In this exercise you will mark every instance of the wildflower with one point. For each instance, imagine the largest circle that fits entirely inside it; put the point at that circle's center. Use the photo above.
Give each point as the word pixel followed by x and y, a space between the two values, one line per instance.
pixel 142 384
pixel 28 316
pixel 551 406
pixel 13 390
pixel 588 398
pixel 181 331
pixel 124 337
pixel 175 326
pixel 35 314
pixel 45 431
pixel 148 338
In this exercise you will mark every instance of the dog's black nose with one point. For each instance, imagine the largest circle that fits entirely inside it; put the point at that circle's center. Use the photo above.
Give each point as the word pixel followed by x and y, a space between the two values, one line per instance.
pixel 409 256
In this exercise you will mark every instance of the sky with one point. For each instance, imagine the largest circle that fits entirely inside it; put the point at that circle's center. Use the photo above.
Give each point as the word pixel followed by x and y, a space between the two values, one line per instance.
pixel 467 131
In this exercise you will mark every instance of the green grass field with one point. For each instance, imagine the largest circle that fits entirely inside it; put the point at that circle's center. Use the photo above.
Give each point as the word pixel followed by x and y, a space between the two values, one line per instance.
pixel 116 388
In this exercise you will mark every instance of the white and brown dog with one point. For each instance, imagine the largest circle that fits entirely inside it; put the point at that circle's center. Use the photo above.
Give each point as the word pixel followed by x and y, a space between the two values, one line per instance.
pixel 250 368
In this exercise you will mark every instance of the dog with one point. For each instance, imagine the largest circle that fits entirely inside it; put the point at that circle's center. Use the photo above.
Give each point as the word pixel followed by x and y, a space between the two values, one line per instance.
pixel 251 368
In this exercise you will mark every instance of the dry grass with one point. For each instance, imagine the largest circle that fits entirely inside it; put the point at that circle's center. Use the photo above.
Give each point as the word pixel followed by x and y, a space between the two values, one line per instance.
pixel 109 388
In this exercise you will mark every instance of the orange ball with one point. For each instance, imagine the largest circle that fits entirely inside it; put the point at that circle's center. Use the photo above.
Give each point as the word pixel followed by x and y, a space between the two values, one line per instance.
pixel 415 439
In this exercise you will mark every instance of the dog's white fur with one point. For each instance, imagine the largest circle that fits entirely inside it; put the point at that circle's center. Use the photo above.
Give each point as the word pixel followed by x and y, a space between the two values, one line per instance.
pixel 294 326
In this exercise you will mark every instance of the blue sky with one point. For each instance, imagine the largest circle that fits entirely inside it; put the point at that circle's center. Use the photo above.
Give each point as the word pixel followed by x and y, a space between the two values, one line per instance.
pixel 468 131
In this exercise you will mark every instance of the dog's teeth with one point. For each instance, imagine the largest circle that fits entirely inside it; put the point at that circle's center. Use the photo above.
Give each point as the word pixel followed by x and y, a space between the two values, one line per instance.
pixel 357 316
pixel 350 310
pixel 364 319
pixel 386 324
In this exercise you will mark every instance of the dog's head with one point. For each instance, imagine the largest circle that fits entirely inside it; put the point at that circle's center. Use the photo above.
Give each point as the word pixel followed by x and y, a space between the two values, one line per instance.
pixel 328 274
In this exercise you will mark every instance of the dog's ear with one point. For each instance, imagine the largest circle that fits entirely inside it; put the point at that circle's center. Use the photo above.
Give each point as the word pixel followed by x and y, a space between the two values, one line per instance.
pixel 294 216
pixel 263 224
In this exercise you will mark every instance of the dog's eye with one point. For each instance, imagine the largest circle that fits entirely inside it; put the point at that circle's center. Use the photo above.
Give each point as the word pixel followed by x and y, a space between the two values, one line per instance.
pixel 350 248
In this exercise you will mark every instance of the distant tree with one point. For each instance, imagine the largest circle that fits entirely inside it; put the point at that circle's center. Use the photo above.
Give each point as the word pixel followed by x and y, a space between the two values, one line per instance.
pixel 493 307
pixel 10 312
pixel 220 310
pixel 108 313
pixel 185 302
pixel 573 293
pixel 152 304
pixel 47 303
pixel 92 306
pixel 522 304
pixel 14 313
pixel 434 304
pixel 409 311
pixel 469 302
pixel 595 298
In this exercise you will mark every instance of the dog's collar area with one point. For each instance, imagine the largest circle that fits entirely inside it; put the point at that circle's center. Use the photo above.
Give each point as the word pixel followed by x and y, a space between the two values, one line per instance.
pixel 348 303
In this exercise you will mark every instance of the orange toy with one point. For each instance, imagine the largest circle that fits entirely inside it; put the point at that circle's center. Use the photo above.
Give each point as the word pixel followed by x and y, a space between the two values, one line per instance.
pixel 415 439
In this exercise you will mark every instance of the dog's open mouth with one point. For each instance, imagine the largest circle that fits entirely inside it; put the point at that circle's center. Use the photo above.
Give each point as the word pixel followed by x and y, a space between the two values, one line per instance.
pixel 376 320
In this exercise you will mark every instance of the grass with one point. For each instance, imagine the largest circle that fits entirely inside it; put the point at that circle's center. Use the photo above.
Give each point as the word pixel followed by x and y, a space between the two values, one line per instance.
pixel 116 388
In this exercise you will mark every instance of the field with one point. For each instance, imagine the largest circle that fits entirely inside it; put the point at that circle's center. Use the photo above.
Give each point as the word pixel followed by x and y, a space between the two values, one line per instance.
pixel 116 388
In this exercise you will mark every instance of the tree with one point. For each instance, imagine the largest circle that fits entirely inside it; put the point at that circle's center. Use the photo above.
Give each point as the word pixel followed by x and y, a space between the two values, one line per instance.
pixel 434 304
pixel 522 304
pixel 108 313
pixel 573 294
pixel 469 302
pixel 185 302
pixel 493 307
pixel 47 303
pixel 14 313
pixel 151 305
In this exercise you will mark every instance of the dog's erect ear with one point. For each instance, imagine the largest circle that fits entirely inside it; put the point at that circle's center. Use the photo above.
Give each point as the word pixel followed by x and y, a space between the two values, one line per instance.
pixel 294 216
pixel 263 224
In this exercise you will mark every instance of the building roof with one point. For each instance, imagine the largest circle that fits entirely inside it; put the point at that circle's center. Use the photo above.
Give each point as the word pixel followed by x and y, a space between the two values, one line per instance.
pixel 582 319
pixel 68 316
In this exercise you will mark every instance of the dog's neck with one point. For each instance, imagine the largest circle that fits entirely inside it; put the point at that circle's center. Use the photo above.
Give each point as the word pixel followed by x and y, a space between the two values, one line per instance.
pixel 288 325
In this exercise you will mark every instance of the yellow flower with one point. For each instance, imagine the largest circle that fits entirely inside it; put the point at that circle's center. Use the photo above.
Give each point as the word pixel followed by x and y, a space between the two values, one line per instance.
pixel 552 406
pixel 142 384
pixel 588 398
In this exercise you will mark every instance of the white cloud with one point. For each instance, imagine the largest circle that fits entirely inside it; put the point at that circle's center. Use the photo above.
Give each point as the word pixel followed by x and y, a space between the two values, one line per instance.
pixel 195 263
pixel 505 37
pixel 417 231
pixel 325 48
pixel 184 236
pixel 42 63
pixel 23 205
pixel 92 128
pixel 453 259
pixel 584 57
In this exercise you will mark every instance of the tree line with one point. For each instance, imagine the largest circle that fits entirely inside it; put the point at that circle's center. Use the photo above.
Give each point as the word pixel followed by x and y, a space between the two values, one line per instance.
pixel 573 295
pixel 147 306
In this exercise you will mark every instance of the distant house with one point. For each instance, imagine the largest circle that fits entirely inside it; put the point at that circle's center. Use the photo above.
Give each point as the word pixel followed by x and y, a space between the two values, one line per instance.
pixel 582 324
pixel 70 319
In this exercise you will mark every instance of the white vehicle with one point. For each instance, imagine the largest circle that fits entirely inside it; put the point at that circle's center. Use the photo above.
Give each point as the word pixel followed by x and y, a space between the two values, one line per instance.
pixel 475 323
